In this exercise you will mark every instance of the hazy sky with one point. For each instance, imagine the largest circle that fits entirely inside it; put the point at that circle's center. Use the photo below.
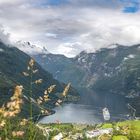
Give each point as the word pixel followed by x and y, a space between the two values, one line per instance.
pixel 70 26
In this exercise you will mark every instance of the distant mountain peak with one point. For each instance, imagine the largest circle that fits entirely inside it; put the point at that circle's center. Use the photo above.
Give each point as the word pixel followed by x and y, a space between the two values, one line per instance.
pixel 112 46
pixel 30 48
pixel 83 52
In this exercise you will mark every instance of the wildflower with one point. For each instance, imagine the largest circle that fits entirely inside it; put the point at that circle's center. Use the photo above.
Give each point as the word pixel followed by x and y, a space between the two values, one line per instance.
pixel 17 107
pixel 46 112
pixel 17 111
pixel 23 122
pixel 42 111
pixel 18 91
pixel 35 71
pixel 66 90
pixel 39 101
pixel 17 133
pixel 14 106
pixel 47 99
pixel 45 92
pixel 31 63
pixel 2 110
pixel 11 105
pixel 39 81
pixel 57 104
pixel 59 101
pixel 25 74
pixel 5 114
pixel 51 88
pixel 46 96
pixel 8 114
pixel 2 124
pixel 40 98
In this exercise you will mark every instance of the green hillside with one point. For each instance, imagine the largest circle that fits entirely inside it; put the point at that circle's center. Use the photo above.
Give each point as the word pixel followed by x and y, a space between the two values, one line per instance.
pixel 13 63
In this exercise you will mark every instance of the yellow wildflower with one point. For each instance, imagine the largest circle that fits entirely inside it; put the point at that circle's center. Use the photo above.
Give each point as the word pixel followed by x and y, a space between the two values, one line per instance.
pixel 31 62
pixel 14 106
pixel 42 111
pixel 23 122
pixel 17 133
pixel 59 101
pixel 46 112
pixel 51 88
pixel 40 98
pixel 2 124
pixel 35 71
pixel 39 81
pixel 39 101
pixel 18 91
pixel 2 110
pixel 25 74
pixel 65 92
pixel 45 92
pixel 57 104
pixel 28 68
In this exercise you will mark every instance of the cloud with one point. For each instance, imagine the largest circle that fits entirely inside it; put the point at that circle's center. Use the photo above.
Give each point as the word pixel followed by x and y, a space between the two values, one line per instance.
pixel 8 1
pixel 70 26
pixel 4 36
pixel 69 48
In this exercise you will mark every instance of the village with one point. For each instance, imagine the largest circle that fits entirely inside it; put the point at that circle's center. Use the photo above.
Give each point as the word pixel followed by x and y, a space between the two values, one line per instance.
pixel 104 131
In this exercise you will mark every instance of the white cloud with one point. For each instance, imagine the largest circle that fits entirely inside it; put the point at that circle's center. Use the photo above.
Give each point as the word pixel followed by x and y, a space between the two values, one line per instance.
pixel 51 35
pixel 91 23
pixel 69 48
pixel 8 1
pixel 4 36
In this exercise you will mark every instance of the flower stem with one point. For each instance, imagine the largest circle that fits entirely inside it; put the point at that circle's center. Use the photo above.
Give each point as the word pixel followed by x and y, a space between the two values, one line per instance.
pixel 31 107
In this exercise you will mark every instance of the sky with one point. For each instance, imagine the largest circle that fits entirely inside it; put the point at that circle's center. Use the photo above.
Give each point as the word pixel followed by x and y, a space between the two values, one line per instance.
pixel 70 26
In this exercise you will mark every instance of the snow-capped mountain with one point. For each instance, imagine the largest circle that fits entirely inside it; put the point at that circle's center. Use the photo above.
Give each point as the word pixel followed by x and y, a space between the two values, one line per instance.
pixel 104 63
pixel 30 48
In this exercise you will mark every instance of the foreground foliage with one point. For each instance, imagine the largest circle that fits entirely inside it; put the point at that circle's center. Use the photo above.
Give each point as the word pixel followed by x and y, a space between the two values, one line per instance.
pixel 12 124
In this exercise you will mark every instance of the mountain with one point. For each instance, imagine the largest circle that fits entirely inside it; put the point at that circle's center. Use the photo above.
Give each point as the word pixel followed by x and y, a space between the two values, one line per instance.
pixel 13 63
pixel 30 48
pixel 115 70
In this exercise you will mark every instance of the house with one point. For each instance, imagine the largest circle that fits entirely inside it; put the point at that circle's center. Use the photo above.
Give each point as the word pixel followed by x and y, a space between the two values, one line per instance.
pixel 96 133
pixel 58 137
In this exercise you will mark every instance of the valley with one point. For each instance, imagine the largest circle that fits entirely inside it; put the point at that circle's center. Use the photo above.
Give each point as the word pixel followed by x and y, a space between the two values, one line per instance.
pixel 113 70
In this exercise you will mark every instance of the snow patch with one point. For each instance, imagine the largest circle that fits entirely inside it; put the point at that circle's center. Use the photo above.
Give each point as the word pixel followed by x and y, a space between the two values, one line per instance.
pixel 1 50
pixel 130 56
pixel 112 46
pixel 30 49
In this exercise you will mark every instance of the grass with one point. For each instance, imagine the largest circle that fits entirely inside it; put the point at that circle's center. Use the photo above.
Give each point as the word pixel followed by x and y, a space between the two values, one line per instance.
pixel 120 138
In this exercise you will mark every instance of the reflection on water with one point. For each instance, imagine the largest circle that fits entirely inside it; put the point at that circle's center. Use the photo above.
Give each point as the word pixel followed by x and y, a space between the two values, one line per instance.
pixel 76 113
